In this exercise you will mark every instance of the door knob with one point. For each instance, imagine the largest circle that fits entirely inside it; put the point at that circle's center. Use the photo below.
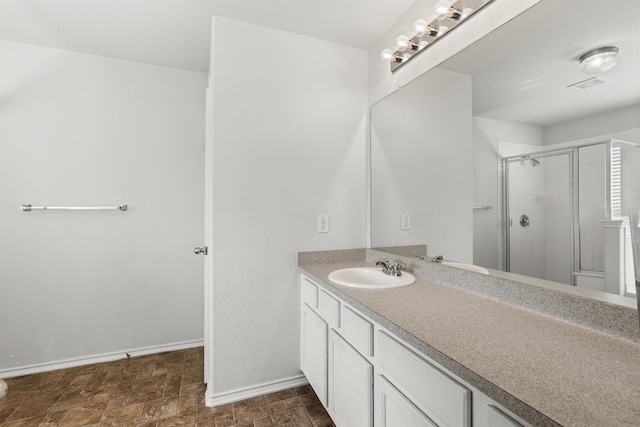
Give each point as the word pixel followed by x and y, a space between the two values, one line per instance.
pixel 202 250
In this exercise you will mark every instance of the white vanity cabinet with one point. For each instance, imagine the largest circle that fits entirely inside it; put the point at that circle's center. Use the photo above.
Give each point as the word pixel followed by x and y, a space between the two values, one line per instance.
pixel 313 351
pixel 442 399
pixel 334 364
pixel 394 409
pixel 366 376
pixel 350 384
pixel 497 418
pixel 490 414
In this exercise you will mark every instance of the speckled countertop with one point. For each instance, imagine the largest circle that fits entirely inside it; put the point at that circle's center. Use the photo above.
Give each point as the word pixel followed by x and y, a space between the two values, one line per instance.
pixel 547 371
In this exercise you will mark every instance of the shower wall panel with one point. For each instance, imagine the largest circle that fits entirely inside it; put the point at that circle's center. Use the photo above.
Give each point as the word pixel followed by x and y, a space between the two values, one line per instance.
pixel 526 189
pixel 558 262
pixel 592 206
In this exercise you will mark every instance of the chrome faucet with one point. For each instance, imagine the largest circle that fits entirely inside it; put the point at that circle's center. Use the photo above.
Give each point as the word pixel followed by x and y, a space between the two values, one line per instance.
pixel 389 267
pixel 438 259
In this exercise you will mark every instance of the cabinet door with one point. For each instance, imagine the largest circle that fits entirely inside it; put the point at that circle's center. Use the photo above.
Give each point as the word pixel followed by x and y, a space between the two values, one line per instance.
pixel 497 418
pixel 393 409
pixel 313 351
pixel 350 384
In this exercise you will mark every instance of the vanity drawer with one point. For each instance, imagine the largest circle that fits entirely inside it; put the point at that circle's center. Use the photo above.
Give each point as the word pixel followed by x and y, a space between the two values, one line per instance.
pixel 329 308
pixel 357 330
pixel 443 399
pixel 309 292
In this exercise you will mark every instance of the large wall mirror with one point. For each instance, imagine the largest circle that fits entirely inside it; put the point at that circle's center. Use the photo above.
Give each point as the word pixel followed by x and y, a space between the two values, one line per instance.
pixel 510 156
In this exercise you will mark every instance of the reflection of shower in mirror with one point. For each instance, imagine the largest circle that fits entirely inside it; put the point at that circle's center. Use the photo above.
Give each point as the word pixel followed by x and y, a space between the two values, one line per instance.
pixel 573 223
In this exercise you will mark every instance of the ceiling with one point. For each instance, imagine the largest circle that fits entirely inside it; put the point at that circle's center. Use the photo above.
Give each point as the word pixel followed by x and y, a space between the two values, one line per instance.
pixel 177 33
pixel 521 71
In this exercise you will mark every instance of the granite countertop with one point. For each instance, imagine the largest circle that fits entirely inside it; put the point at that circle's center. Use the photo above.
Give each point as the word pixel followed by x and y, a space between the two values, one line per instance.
pixel 547 371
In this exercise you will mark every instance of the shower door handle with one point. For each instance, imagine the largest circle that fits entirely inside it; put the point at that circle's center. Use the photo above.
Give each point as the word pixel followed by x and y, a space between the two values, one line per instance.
pixel 524 221
pixel 203 250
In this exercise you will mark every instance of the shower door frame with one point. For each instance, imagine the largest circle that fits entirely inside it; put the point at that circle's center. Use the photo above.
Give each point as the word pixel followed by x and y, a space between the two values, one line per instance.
pixel 573 188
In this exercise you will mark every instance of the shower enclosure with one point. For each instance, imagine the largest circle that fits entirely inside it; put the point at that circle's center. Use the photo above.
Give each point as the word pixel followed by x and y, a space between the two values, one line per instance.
pixel 563 208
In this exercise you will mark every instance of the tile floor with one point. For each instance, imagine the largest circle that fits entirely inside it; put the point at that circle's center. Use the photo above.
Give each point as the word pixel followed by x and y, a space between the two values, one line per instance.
pixel 158 390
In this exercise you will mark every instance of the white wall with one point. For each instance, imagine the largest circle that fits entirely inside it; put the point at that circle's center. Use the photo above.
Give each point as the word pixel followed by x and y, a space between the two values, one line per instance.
pixel 78 129
pixel 421 158
pixel 486 135
pixel 623 123
pixel 289 143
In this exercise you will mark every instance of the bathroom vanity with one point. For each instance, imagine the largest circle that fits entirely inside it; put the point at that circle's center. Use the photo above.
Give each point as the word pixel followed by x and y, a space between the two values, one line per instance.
pixel 430 354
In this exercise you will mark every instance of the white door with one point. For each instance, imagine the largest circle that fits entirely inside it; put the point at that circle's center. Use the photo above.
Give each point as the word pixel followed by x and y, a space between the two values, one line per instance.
pixel 208 242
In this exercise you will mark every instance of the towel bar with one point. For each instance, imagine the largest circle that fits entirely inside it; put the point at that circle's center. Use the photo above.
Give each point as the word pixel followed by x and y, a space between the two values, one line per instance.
pixel 28 208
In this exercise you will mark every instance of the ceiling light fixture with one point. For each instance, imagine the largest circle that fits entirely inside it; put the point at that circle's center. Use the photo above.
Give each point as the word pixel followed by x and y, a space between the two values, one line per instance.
pixel 599 60
pixel 446 17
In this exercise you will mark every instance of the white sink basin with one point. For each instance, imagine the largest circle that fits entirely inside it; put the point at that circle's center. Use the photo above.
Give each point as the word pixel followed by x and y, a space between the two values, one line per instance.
pixel 469 267
pixel 369 278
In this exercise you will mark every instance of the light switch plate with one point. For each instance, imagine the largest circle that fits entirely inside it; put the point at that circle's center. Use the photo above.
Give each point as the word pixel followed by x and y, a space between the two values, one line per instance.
pixel 406 222
pixel 323 223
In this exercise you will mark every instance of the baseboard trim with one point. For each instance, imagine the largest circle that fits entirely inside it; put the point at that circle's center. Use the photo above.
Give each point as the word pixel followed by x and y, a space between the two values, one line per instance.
pixel 98 358
pixel 212 399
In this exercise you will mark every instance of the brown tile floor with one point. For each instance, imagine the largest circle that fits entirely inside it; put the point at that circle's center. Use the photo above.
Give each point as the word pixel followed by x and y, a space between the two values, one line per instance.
pixel 158 390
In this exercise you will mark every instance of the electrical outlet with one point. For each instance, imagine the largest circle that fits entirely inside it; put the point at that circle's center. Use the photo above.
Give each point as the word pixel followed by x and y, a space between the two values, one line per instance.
pixel 323 223
pixel 406 222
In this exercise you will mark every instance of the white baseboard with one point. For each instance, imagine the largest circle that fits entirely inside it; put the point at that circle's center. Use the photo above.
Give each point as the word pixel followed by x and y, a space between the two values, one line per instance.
pixel 253 391
pixel 98 358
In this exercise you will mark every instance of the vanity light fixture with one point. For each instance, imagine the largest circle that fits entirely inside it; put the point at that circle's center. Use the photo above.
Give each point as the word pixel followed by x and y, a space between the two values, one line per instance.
pixel 599 60
pixel 447 15
pixel 404 43
pixel 422 29
pixel 444 9
pixel 387 55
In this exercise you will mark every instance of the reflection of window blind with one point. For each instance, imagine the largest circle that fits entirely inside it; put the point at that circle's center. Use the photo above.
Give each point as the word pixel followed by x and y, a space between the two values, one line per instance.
pixel 616 182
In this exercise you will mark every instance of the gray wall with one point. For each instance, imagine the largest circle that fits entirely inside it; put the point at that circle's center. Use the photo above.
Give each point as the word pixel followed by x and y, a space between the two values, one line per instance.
pixel 289 143
pixel 422 165
pixel 78 129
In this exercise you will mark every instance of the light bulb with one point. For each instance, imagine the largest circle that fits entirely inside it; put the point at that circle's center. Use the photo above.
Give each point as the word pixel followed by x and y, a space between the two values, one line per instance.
pixel 419 27
pixel 423 44
pixel 441 8
pixel 442 29
pixel 444 9
pixel 422 29
pixel 466 12
pixel 402 43
pixel 386 55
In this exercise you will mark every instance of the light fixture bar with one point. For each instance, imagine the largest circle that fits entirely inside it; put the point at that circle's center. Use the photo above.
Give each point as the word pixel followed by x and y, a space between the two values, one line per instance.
pixel 448 14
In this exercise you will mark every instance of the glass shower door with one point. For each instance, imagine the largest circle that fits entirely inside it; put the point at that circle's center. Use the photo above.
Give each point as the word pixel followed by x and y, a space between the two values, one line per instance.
pixel 540 216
